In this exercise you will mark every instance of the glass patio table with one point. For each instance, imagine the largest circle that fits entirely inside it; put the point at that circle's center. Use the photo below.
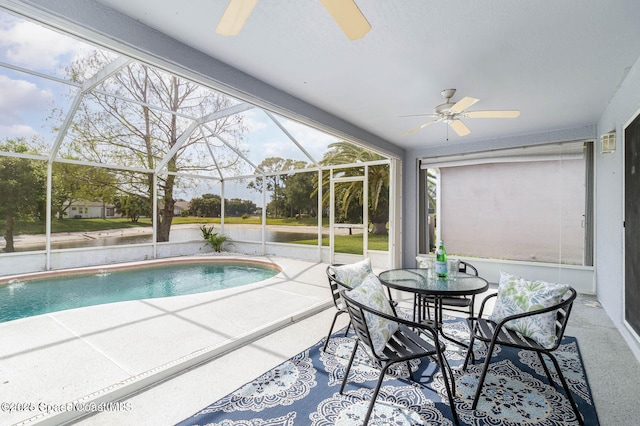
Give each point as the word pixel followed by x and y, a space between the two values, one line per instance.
pixel 420 281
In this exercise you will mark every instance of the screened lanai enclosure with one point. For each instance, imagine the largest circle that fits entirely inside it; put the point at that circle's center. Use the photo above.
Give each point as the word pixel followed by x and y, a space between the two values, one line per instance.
pixel 105 158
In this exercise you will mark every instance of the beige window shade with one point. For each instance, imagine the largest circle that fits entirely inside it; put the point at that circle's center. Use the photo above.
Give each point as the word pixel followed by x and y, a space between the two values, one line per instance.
pixel 550 152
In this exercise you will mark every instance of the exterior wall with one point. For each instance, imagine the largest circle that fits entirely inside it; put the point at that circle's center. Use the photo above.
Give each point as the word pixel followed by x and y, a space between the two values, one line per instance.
pixel 610 204
pixel 88 210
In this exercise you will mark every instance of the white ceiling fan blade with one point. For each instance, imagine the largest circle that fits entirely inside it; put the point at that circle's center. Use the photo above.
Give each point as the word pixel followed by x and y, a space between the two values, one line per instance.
pixel 420 127
pixel 234 16
pixel 348 16
pixel 459 127
pixel 463 104
pixel 493 114
pixel 420 115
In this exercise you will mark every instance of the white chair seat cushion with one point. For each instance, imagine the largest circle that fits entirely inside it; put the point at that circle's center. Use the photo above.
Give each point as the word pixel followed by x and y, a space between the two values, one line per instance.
pixel 516 295
pixel 371 294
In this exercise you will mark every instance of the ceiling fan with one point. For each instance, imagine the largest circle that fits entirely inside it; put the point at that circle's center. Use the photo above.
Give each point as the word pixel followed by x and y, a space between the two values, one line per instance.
pixel 451 112
pixel 345 12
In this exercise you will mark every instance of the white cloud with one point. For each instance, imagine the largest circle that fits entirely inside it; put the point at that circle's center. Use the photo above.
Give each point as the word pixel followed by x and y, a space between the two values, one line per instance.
pixel 17 131
pixel 32 46
pixel 20 96
pixel 254 122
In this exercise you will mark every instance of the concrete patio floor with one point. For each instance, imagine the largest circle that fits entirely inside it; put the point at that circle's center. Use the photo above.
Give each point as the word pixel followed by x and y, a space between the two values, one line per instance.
pixel 165 359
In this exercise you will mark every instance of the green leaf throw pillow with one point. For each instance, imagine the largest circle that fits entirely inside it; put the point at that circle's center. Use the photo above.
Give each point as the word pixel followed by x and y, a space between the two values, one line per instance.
pixel 517 295
pixel 353 274
pixel 371 294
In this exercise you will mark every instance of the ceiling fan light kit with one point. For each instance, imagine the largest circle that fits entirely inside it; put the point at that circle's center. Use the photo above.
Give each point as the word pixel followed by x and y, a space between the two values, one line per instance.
pixel 345 12
pixel 450 112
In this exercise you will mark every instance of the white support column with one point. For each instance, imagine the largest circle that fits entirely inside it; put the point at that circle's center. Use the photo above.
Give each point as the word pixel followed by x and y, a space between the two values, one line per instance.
pixel 222 206
pixel 365 212
pixel 48 216
pixel 332 216
pixel 395 214
pixel 320 215
pixel 154 220
pixel 264 216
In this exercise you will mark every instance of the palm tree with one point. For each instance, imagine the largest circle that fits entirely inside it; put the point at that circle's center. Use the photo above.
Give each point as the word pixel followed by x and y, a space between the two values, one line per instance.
pixel 347 153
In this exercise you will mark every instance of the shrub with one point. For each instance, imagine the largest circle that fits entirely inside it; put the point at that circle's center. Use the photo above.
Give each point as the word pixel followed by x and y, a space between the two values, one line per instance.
pixel 213 239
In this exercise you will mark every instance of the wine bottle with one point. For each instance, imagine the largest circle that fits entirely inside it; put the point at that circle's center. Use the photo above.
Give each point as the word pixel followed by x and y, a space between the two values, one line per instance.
pixel 441 261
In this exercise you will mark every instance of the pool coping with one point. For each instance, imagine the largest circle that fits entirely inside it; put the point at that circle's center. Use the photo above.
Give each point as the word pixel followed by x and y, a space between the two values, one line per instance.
pixel 88 270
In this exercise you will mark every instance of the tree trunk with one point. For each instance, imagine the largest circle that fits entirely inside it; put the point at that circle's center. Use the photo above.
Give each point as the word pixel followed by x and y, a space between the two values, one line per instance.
pixel 8 234
pixel 379 228
pixel 165 217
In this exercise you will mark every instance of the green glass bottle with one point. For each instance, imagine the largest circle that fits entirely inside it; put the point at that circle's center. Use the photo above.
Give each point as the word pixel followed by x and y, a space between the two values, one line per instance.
pixel 441 261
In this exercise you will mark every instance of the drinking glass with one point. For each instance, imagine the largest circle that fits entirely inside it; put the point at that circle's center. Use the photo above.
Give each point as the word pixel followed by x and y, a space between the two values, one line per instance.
pixel 453 266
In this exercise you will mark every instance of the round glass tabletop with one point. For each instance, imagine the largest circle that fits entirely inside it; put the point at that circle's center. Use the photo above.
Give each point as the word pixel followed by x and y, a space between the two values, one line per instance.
pixel 419 280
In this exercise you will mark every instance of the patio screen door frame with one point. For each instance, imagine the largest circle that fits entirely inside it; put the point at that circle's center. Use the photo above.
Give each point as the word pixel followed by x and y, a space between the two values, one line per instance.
pixel 631 224
pixel 365 211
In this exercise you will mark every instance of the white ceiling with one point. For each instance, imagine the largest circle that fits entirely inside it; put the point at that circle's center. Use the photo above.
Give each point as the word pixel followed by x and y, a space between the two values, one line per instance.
pixel 558 62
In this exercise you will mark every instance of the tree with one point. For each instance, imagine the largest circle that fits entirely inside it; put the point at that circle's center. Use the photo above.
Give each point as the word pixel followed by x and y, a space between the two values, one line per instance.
pixel 22 188
pixel 132 207
pixel 298 193
pixel 275 182
pixel 209 205
pixel 239 207
pixel 110 129
pixel 346 153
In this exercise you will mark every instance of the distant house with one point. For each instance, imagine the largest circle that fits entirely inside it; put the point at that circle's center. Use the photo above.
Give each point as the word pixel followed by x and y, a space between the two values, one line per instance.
pixel 90 209
pixel 181 206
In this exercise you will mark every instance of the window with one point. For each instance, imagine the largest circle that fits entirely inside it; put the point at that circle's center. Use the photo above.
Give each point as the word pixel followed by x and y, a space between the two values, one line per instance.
pixel 527 204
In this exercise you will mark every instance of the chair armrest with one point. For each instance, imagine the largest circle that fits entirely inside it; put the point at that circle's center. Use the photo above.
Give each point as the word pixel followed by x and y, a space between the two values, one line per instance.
pixel 484 301
pixel 562 305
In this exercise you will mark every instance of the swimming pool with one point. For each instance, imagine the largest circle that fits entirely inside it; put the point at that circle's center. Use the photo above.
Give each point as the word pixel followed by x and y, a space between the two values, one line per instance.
pixel 20 299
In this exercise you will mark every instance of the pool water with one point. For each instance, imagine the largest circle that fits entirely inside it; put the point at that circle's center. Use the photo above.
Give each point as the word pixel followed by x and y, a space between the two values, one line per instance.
pixel 25 299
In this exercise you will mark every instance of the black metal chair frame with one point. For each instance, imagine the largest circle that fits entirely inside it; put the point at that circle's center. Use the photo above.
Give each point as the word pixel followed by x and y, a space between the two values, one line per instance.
pixel 453 303
pixel 492 334
pixel 405 345
pixel 336 286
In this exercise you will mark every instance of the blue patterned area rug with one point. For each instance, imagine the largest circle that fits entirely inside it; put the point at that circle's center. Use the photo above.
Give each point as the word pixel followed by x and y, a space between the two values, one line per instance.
pixel 304 390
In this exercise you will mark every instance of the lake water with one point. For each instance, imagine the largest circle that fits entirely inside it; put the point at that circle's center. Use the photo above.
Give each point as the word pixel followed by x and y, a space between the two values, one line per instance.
pixel 177 235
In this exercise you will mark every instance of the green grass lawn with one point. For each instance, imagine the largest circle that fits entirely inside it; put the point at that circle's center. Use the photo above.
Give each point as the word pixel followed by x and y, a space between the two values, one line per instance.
pixel 352 243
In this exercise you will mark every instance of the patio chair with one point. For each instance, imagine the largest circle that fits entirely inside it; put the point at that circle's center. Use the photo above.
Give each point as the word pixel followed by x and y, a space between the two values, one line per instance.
pixel 494 333
pixel 462 304
pixel 405 344
pixel 336 286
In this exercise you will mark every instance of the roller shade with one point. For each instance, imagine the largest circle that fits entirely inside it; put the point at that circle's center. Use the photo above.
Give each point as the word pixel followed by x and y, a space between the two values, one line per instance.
pixel 550 152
